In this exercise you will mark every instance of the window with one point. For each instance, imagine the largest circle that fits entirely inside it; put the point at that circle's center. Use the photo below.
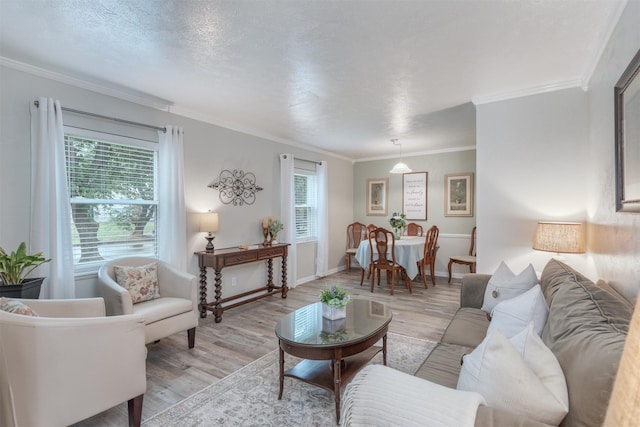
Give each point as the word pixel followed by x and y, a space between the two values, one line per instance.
pixel 112 183
pixel 306 205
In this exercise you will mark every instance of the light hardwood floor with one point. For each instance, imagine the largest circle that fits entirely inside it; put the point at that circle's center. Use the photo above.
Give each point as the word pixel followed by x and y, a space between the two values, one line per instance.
pixel 246 333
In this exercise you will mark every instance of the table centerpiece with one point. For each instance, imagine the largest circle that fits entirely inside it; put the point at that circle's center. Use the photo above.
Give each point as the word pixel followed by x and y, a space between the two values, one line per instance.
pixel 398 223
pixel 334 303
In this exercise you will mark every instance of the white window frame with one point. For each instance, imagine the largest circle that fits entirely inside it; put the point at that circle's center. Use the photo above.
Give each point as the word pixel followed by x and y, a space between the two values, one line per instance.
pixel 92 267
pixel 312 205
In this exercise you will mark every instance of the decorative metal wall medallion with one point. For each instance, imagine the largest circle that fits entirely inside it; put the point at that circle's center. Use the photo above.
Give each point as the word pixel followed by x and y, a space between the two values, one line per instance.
pixel 236 187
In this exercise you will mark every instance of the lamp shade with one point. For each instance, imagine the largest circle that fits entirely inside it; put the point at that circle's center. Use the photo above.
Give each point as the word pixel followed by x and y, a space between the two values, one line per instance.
pixel 559 237
pixel 400 167
pixel 209 222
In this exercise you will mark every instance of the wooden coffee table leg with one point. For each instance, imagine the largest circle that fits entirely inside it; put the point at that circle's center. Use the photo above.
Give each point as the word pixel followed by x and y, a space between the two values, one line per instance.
pixel 281 371
pixel 384 349
pixel 337 368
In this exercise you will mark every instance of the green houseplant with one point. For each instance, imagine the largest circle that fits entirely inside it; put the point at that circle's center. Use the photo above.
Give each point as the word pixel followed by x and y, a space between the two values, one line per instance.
pixel 14 269
pixel 334 302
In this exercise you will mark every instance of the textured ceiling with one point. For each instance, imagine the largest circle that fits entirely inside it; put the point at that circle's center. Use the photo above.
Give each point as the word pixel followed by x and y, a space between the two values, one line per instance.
pixel 344 76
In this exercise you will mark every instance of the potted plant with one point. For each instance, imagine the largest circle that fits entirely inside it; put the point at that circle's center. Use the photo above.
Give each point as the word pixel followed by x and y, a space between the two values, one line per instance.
pixel 334 303
pixel 14 269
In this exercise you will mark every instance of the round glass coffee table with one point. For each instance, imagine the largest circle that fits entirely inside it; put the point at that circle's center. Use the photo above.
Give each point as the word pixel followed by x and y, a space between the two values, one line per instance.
pixel 333 350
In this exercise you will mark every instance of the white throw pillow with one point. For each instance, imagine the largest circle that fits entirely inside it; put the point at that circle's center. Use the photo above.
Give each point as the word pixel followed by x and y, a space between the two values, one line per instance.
pixel 513 315
pixel 525 378
pixel 504 285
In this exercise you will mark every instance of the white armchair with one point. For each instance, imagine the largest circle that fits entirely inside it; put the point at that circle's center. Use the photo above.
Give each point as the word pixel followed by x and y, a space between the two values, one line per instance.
pixel 174 311
pixel 70 363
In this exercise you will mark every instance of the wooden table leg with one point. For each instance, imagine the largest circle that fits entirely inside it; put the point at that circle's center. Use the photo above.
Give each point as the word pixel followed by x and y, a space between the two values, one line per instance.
pixel 337 381
pixel 285 289
pixel 270 274
pixel 281 371
pixel 217 308
pixel 384 349
pixel 203 292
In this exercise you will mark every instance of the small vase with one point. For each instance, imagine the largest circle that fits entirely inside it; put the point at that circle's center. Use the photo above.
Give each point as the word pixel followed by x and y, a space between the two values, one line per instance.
pixel 333 313
pixel 332 326
pixel 397 232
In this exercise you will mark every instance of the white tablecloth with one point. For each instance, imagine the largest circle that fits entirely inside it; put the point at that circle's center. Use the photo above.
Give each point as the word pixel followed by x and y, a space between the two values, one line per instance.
pixel 409 251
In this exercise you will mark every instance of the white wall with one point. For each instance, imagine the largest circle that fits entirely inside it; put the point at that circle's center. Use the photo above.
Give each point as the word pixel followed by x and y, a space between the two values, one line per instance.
pixel 532 165
pixel 551 156
pixel 614 237
pixel 208 150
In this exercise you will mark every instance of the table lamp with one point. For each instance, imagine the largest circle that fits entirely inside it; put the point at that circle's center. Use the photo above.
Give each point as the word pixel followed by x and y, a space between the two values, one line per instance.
pixel 559 237
pixel 209 224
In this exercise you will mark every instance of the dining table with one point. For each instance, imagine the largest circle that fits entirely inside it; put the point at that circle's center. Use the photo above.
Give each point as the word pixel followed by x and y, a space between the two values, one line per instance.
pixel 408 251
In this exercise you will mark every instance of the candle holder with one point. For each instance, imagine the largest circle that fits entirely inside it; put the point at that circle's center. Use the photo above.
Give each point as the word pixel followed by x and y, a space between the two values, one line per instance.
pixel 265 233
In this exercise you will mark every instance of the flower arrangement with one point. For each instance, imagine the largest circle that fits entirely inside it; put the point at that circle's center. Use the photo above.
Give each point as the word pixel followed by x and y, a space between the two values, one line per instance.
pixel 398 220
pixel 335 297
pixel 270 229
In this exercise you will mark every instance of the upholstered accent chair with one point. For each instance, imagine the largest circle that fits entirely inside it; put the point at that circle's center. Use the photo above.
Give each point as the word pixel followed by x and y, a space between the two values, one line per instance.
pixel 355 234
pixel 383 244
pixel 469 259
pixel 175 310
pixel 414 229
pixel 429 255
pixel 69 363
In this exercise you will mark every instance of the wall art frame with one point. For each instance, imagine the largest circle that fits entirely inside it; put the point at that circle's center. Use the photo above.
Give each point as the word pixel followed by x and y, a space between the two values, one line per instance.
pixel 458 194
pixel 626 94
pixel 414 195
pixel 377 196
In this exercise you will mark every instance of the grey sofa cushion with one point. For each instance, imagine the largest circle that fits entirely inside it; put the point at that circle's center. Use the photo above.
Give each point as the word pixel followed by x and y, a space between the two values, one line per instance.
pixel 468 327
pixel 555 273
pixel 586 330
pixel 442 366
pixel 492 417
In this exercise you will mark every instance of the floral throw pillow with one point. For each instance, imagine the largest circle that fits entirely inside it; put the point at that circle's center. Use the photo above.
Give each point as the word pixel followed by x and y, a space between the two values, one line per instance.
pixel 141 282
pixel 16 307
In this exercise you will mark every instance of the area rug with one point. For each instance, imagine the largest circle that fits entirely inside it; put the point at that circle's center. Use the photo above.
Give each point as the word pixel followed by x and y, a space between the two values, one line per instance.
pixel 249 396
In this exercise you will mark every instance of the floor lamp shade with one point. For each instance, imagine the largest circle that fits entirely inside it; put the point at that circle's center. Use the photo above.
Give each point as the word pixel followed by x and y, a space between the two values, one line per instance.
pixel 559 237
pixel 624 407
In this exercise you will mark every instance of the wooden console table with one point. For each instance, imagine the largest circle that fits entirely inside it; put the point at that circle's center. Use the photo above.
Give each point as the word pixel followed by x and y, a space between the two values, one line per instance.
pixel 235 256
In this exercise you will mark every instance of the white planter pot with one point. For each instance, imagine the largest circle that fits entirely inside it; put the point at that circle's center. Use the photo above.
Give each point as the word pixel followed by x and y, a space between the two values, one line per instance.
pixel 332 313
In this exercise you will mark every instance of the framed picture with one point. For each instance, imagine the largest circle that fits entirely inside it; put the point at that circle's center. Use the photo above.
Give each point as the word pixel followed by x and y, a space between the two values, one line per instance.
pixel 414 195
pixel 377 196
pixel 458 194
pixel 627 137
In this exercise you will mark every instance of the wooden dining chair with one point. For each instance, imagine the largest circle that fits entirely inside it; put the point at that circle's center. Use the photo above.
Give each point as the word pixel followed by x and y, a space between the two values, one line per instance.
pixel 355 233
pixel 414 229
pixel 429 255
pixel 469 260
pixel 379 241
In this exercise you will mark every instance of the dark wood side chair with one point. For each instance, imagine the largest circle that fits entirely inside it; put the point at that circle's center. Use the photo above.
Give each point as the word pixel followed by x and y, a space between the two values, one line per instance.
pixel 429 255
pixel 380 240
pixel 355 233
pixel 414 229
pixel 469 260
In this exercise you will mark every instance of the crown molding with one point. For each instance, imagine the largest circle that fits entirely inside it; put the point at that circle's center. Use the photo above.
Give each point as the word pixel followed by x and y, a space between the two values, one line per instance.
pixel 536 90
pixel 120 93
pixel 604 41
pixel 194 115
pixel 418 153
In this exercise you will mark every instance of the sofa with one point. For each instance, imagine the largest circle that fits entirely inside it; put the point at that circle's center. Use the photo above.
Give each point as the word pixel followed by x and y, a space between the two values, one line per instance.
pixel 586 328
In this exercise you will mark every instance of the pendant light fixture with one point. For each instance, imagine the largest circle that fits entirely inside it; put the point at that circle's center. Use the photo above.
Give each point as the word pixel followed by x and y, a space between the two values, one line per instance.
pixel 399 167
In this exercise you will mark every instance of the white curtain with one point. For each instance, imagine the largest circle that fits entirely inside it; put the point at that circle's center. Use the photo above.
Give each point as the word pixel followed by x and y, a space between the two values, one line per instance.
pixel 50 207
pixel 288 214
pixel 172 215
pixel 322 261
